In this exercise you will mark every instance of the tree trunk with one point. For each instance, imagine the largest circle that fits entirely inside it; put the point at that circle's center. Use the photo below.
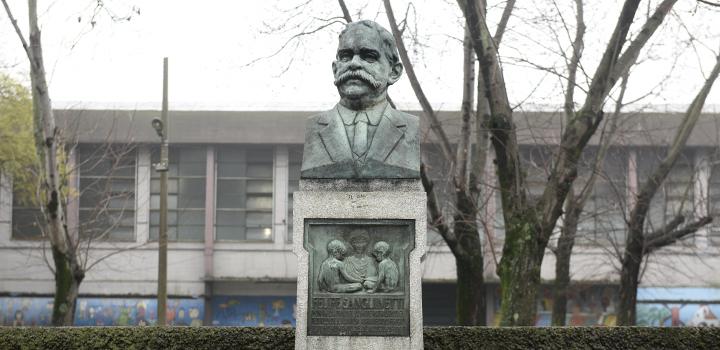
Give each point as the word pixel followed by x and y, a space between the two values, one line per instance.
pixel 562 264
pixel 68 273
pixel 470 291
pixel 470 288
pixel 68 277
pixel 519 272
pixel 629 278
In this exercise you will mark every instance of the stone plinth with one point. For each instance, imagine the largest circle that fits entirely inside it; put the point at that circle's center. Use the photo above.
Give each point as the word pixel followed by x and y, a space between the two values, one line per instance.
pixel 360 246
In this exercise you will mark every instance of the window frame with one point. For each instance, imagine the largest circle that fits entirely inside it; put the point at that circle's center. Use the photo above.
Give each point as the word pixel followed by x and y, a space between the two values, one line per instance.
pixel 246 179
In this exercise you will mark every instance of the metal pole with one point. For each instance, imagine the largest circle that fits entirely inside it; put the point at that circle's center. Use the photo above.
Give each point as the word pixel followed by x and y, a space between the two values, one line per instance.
pixel 162 239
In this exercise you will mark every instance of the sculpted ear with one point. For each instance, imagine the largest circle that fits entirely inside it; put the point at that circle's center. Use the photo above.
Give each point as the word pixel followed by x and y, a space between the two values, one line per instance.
pixel 395 73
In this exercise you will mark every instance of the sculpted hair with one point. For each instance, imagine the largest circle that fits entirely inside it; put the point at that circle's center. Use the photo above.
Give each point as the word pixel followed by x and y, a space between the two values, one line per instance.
pixel 335 246
pixel 388 41
pixel 382 247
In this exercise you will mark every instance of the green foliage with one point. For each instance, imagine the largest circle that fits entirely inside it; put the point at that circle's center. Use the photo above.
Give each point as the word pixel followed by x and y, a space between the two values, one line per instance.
pixel 572 338
pixel 284 338
pixel 17 149
pixel 147 338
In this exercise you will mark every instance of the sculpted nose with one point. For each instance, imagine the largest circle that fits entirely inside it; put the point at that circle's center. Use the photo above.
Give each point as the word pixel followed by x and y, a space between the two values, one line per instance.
pixel 355 62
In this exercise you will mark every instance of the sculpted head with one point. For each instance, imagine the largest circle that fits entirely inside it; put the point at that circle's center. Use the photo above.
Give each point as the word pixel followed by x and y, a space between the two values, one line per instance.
pixel 366 64
pixel 359 240
pixel 336 249
pixel 381 250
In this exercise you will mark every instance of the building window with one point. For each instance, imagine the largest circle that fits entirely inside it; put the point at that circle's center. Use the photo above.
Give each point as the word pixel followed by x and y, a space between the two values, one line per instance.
pixel 295 162
pixel 27 218
pixel 107 192
pixel 244 193
pixel 603 218
pixel 676 195
pixel 714 203
pixel 186 194
pixel 679 188
pixel 537 162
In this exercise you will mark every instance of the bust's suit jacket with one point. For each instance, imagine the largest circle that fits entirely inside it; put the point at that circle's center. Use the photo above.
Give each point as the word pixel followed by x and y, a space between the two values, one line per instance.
pixel 394 151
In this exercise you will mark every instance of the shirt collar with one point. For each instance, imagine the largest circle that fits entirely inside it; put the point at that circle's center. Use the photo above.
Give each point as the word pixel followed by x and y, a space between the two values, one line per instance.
pixel 374 113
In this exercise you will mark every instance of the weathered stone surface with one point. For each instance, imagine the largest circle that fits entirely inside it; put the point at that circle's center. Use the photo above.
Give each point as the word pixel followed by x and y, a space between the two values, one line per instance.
pixel 397 218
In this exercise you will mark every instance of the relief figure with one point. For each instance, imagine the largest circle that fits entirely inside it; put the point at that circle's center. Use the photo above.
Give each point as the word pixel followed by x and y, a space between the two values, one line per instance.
pixel 330 278
pixel 360 267
pixel 388 273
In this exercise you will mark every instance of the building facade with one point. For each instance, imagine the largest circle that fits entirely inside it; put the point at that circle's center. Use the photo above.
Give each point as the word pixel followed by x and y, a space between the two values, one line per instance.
pixel 231 179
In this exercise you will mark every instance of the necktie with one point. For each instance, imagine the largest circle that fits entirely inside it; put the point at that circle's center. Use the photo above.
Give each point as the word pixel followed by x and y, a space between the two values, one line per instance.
pixel 360 137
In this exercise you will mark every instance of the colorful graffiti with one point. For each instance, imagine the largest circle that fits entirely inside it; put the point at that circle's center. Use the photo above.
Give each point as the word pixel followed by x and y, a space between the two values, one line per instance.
pixel 587 306
pixel 19 311
pixel 255 311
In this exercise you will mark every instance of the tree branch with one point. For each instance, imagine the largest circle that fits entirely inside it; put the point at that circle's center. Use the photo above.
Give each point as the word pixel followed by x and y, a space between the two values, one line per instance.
pixel 500 30
pixel 501 125
pixel 287 42
pixel 346 13
pixel 115 252
pixel 605 142
pixel 437 219
pixel 435 123
pixel 669 235
pixel 650 187
pixel 577 49
pixel 463 147
pixel 18 31
pixel 710 3
pixel 631 54
pixel 582 127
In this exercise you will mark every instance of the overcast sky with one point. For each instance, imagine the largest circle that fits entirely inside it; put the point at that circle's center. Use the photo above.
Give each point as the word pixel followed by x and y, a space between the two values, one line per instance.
pixel 210 45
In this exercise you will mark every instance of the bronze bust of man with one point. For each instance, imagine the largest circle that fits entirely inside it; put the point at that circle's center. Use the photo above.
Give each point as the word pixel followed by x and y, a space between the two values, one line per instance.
pixel 363 137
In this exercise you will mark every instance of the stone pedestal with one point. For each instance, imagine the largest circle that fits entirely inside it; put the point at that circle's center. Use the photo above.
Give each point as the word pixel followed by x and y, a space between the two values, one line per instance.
pixel 360 246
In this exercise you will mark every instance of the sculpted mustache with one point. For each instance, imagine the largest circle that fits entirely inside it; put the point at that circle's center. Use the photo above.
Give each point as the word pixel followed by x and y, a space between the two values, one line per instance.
pixel 360 75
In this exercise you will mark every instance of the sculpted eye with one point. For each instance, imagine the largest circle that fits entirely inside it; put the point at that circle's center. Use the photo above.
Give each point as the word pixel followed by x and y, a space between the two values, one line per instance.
pixel 370 56
pixel 345 56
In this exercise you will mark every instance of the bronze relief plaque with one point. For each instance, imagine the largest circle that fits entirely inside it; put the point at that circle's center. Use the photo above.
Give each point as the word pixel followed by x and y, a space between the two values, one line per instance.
pixel 359 277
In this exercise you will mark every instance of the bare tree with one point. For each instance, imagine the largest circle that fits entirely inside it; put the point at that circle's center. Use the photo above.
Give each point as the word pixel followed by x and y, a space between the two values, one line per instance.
pixel 68 267
pixel 639 242
pixel 529 225
pixel 467 162
pixel 68 273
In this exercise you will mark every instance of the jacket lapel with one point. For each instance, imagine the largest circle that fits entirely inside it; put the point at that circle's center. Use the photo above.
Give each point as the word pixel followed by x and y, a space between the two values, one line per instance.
pixel 333 137
pixel 388 134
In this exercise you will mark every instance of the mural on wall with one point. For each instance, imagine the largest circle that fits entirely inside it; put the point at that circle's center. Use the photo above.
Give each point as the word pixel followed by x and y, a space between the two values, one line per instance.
pixel 26 311
pixel 587 306
pixel 19 312
pixel 254 311
pixel 677 315
pixel 258 311
pixel 137 312
pixel 677 307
